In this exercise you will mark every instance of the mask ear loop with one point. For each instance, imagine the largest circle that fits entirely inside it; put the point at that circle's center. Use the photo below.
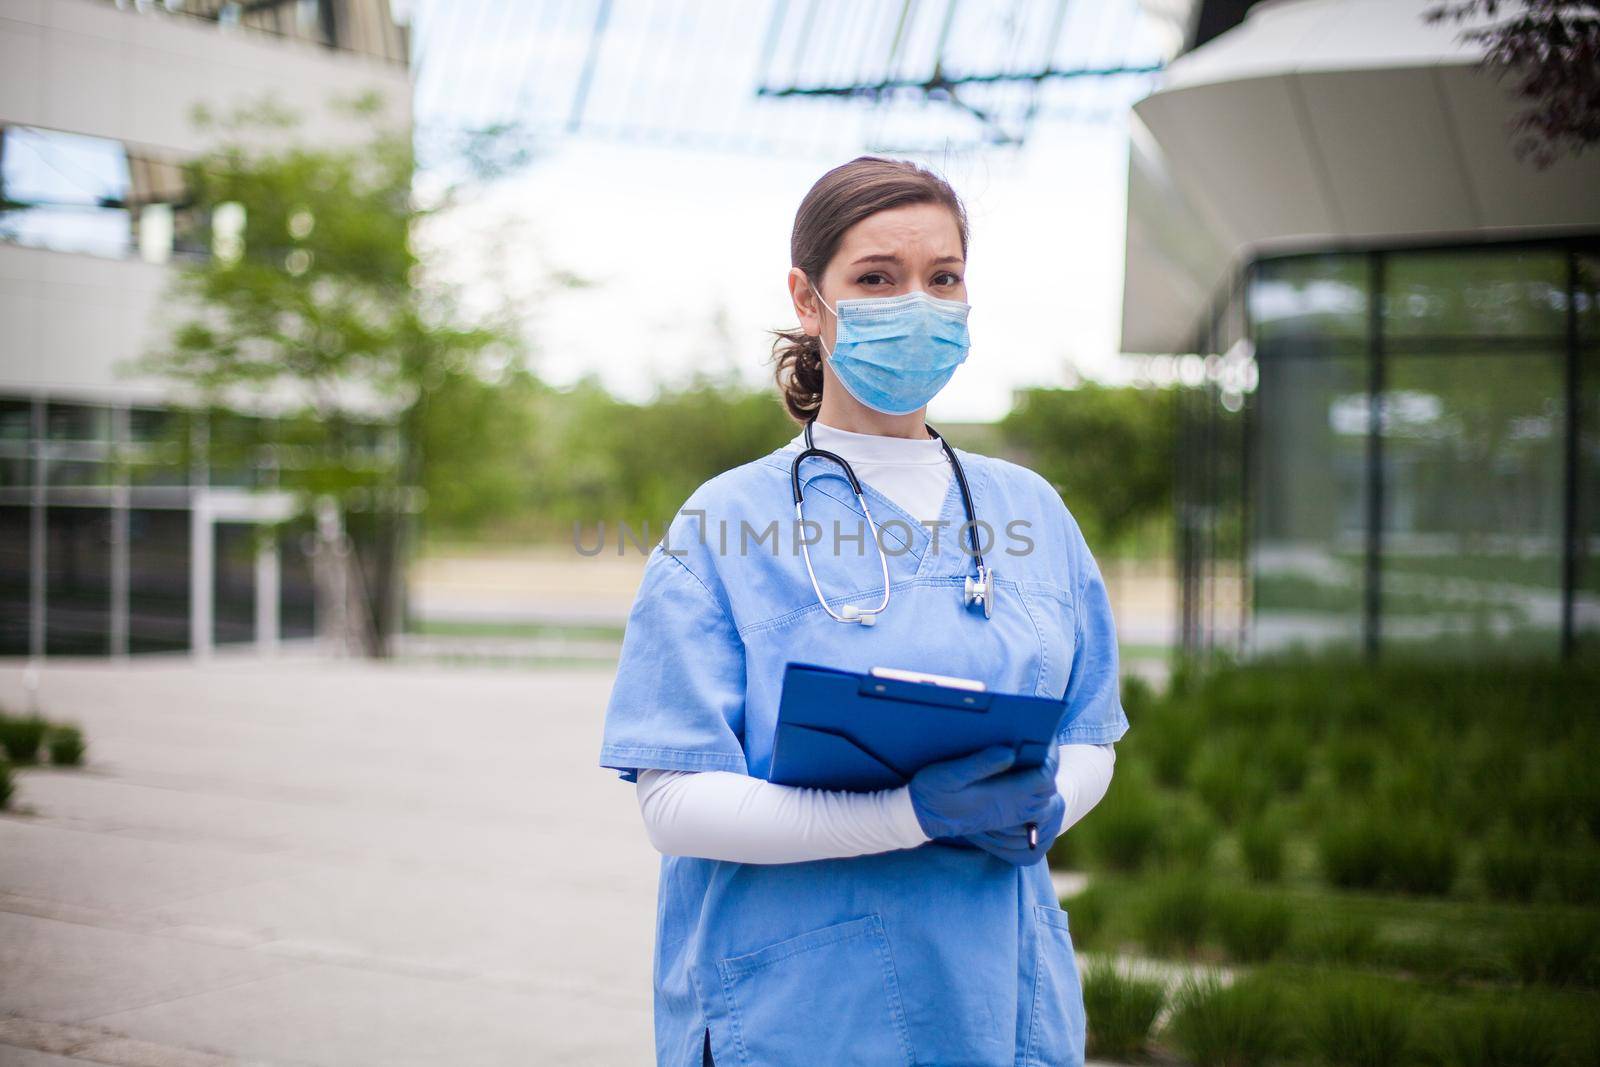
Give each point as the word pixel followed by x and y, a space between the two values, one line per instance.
pixel 825 353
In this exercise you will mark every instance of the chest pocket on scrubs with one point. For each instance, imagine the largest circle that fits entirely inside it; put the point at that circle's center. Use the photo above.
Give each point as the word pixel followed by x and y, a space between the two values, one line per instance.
pixel 829 995
pixel 1056 1021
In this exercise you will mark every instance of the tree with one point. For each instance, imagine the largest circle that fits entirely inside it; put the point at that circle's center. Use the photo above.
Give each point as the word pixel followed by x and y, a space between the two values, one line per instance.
pixel 315 304
pixel 1553 47
pixel 1106 449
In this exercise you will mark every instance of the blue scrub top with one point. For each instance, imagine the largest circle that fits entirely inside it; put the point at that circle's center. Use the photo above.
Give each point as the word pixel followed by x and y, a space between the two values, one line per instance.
pixel 929 955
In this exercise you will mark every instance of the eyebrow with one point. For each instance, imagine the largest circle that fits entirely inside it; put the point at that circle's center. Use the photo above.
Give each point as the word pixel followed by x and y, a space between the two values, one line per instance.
pixel 884 257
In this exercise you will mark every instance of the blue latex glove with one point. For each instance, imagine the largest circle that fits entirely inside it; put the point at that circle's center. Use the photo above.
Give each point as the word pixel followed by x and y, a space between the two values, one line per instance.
pixel 970 794
pixel 1010 843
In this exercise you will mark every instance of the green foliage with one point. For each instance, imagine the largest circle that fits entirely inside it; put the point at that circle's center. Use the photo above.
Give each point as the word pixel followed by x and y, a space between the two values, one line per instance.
pixel 1563 950
pixel 66 745
pixel 1239 1025
pixel 1261 844
pixel 1175 912
pixel 1127 825
pixel 1512 867
pixel 21 737
pixel 1106 449
pixel 1087 912
pixel 7 784
pixel 1252 928
pixel 1121 1006
pixel 1351 1022
pixel 1373 849
pixel 1514 1034
pixel 317 303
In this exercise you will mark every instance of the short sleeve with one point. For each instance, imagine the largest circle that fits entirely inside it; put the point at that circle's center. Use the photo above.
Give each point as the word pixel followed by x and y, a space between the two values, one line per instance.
pixel 1094 695
pixel 678 699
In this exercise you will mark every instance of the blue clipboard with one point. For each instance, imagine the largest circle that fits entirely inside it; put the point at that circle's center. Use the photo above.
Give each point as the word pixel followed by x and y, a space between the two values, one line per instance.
pixel 843 730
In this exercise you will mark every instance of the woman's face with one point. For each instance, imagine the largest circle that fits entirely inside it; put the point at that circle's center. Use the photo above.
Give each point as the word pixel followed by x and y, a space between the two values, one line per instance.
pixel 914 246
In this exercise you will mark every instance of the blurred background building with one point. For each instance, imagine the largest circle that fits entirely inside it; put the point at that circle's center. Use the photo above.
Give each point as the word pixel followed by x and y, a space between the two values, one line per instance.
pixel 112 540
pixel 1399 438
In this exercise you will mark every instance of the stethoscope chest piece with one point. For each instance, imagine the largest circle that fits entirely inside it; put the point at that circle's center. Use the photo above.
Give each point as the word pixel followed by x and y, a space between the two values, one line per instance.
pixel 980 590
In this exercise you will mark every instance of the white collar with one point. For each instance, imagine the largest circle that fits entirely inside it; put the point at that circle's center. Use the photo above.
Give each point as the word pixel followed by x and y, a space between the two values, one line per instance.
pixel 870 447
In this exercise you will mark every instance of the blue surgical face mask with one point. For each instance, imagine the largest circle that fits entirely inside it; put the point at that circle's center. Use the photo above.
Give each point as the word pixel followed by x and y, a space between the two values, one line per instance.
pixel 894 353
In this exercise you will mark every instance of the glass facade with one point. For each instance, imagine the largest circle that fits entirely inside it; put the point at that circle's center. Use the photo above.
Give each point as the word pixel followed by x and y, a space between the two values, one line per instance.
pixel 1417 450
pixel 97 521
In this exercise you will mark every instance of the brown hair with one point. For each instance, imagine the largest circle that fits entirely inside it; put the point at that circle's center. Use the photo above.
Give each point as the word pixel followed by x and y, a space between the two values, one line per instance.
pixel 841 198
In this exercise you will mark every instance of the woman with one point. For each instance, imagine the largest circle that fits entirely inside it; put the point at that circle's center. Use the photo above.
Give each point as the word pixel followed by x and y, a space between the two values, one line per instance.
pixel 809 926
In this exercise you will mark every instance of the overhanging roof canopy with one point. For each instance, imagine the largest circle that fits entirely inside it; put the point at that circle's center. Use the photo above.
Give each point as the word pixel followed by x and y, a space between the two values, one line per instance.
pixel 1321 122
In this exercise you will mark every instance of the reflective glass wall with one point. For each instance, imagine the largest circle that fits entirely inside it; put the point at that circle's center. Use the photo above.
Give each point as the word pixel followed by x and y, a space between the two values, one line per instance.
pixel 1420 452
pixel 97 523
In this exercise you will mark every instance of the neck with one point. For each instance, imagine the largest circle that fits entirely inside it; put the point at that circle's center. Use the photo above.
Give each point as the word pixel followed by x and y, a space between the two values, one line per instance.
pixel 844 412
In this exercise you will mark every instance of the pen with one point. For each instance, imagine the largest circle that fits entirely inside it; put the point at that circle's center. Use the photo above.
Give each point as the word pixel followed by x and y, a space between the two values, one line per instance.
pixel 1033 836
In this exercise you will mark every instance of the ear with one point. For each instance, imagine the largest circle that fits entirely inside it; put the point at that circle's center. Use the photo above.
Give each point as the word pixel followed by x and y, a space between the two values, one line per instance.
pixel 807 308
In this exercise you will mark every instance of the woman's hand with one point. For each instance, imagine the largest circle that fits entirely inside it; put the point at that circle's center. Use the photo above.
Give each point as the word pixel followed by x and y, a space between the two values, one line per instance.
pixel 1011 843
pixel 971 794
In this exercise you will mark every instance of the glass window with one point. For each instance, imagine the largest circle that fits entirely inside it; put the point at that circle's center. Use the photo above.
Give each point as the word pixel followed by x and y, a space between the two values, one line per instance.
pixel 77 609
pixel 16 537
pixel 1308 304
pixel 158 579
pixel 1310 501
pixel 61 184
pixel 16 420
pixel 77 422
pixel 233 606
pixel 1476 293
pixel 1473 472
pixel 297 594
pixel 1586 588
pixel 1588 296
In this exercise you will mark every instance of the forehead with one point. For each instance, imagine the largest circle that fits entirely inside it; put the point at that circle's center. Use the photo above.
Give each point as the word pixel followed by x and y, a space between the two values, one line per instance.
pixel 928 229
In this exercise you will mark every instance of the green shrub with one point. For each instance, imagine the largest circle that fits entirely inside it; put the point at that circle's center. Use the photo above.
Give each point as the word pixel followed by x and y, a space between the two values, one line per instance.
pixel 1190 836
pixel 1121 1007
pixel 1126 829
pixel 1577 877
pixel 1232 784
pixel 21 737
pixel 1238 1025
pixel 1558 951
pixel 1288 759
pixel 1352 764
pixel 1251 928
pixel 66 746
pixel 1498 1035
pixel 1353 851
pixel 1511 868
pixel 1332 940
pixel 7 785
pixel 1261 842
pixel 1087 912
pixel 1349 1022
pixel 1422 857
pixel 1175 912
pixel 1407 852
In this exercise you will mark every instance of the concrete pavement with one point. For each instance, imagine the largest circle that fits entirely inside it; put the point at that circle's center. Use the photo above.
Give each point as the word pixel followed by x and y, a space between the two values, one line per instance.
pixel 324 862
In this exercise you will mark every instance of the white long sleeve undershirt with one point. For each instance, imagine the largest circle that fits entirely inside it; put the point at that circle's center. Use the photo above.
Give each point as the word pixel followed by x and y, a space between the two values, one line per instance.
pixel 724 815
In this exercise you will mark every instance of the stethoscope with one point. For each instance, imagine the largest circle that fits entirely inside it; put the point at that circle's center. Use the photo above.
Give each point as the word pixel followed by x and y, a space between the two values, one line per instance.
pixel 978 591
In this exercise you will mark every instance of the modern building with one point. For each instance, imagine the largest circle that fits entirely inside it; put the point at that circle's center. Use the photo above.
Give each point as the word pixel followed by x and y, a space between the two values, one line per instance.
pixel 1398 439
pixel 112 540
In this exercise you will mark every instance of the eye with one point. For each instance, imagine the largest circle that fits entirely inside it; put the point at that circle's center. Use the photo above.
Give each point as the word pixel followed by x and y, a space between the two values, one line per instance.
pixel 955 279
pixel 871 274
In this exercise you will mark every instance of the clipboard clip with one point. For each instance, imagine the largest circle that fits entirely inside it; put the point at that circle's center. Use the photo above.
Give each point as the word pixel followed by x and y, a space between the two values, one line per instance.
pixel 946 680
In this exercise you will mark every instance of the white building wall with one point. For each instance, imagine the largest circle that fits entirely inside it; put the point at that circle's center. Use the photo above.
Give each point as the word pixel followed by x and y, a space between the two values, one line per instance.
pixel 83 66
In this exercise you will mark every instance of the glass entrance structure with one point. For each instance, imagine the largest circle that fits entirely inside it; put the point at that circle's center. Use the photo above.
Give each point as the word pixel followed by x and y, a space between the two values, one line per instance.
pixel 1397 448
